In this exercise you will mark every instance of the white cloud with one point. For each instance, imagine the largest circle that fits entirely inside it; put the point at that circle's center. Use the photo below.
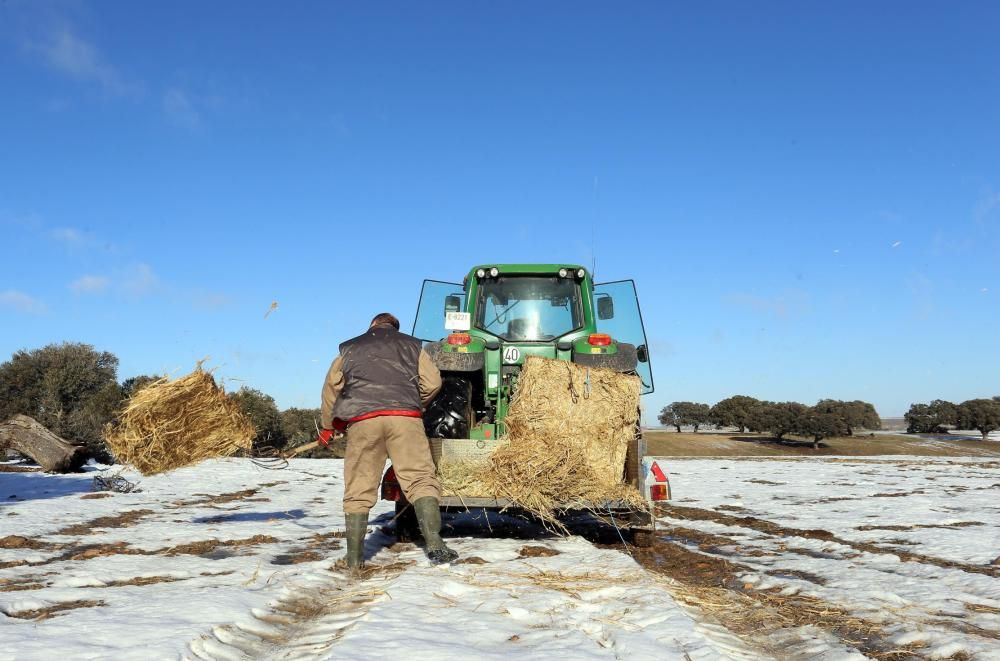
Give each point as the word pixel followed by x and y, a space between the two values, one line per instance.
pixel 72 55
pixel 21 302
pixel 789 303
pixel 180 107
pixel 67 235
pixel 90 284
pixel 986 208
pixel 140 280
pixel 206 300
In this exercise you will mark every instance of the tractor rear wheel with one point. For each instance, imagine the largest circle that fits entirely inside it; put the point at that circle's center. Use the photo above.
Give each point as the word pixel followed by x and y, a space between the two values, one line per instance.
pixel 407 526
pixel 450 414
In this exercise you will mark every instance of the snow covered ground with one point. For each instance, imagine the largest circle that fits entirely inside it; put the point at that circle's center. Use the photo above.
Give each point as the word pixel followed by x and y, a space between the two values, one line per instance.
pixel 226 560
pixel 910 544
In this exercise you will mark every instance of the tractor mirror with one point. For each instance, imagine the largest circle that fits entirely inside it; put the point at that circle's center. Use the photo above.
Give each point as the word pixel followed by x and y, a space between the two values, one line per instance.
pixel 605 308
pixel 452 303
pixel 642 353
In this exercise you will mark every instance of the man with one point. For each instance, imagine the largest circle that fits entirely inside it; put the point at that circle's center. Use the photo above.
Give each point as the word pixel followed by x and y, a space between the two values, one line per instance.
pixel 376 390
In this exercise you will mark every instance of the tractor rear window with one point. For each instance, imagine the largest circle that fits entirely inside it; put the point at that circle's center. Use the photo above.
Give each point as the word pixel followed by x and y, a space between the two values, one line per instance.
pixel 529 308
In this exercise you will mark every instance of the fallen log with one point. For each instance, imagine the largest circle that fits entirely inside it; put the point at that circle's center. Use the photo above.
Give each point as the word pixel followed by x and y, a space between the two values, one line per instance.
pixel 28 437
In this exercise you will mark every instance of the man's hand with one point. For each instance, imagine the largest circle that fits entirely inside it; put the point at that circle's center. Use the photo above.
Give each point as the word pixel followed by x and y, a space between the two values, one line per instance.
pixel 324 436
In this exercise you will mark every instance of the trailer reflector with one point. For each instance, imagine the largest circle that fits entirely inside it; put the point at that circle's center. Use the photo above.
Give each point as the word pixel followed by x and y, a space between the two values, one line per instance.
pixel 659 492
pixel 658 472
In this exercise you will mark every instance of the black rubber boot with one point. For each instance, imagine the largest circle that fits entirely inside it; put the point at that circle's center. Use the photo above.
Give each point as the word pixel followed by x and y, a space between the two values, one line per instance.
pixel 429 517
pixel 357 527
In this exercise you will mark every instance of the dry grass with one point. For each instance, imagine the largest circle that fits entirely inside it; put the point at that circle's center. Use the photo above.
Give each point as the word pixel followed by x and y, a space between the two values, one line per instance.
pixel 568 432
pixel 728 444
pixel 170 424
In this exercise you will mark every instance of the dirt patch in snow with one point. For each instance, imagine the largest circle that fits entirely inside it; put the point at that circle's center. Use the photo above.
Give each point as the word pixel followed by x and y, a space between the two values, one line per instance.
pixel 215 499
pixel 537 552
pixel 19 542
pixel 915 526
pixel 16 586
pixel 209 546
pixel 95 496
pixel 122 520
pixel 54 609
pixel 318 548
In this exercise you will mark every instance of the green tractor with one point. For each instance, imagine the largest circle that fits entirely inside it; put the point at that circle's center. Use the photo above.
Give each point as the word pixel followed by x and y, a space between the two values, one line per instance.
pixel 479 333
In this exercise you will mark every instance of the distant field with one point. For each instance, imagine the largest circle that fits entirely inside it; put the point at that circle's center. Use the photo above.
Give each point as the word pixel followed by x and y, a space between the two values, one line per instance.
pixel 714 444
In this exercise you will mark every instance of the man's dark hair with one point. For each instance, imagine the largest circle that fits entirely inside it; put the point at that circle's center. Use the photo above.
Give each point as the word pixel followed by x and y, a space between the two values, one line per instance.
pixel 385 318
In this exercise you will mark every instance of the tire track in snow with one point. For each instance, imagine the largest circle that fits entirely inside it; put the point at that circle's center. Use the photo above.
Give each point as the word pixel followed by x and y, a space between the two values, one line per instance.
pixel 306 623
pixel 775 530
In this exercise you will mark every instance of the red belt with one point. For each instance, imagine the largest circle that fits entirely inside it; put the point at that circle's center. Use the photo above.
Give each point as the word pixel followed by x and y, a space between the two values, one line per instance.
pixel 341 425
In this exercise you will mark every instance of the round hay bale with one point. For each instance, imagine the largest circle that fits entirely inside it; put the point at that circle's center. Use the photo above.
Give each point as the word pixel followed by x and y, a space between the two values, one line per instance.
pixel 173 423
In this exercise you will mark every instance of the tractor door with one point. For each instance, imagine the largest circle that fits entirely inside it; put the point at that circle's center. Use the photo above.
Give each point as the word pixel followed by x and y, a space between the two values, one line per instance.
pixel 437 299
pixel 618 315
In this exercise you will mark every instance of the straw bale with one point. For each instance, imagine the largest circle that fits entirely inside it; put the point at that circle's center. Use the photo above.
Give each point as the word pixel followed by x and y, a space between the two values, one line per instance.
pixel 464 478
pixel 568 431
pixel 173 423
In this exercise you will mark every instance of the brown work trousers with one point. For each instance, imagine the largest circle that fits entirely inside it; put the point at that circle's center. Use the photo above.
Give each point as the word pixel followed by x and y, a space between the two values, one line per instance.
pixel 400 438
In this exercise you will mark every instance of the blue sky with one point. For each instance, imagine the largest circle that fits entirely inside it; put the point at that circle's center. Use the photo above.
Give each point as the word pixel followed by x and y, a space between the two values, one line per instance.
pixel 807 194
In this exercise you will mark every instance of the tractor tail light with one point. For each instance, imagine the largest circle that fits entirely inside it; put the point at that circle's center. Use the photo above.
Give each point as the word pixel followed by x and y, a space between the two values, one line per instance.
pixel 390 486
pixel 599 340
pixel 659 492
pixel 460 339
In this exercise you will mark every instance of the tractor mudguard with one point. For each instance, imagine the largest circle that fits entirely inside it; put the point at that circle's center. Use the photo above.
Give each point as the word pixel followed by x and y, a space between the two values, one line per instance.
pixel 455 361
pixel 624 360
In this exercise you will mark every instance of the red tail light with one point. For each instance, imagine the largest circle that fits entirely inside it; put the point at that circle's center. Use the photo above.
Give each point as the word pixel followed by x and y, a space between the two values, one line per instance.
pixel 659 492
pixel 459 338
pixel 599 340
pixel 390 486
pixel 658 472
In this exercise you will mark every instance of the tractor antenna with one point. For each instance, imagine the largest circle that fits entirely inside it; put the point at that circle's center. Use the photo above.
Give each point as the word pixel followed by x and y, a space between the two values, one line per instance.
pixel 593 235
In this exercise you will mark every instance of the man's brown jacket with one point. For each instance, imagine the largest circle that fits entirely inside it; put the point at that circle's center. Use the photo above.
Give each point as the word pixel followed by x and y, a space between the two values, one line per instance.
pixel 382 372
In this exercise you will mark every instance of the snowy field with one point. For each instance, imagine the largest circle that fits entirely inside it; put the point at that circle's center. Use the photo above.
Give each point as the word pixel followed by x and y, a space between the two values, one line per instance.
pixel 230 561
pixel 910 545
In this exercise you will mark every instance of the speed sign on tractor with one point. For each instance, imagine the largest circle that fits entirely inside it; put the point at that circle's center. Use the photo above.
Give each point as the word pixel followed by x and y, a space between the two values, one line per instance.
pixel 511 355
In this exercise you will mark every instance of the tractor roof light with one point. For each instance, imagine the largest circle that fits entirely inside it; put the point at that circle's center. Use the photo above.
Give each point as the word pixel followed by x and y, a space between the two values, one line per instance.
pixel 481 273
pixel 459 339
pixel 599 340
pixel 563 273
pixel 580 273
pixel 494 272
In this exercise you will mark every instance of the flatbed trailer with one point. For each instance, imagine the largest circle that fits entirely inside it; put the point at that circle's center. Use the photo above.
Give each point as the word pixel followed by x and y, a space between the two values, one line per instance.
pixel 642 472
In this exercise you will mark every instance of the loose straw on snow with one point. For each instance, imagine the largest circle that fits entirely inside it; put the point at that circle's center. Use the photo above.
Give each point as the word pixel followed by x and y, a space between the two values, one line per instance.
pixel 170 424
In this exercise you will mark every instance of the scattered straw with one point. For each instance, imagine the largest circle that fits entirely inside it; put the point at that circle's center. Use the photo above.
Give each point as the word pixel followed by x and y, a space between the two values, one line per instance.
pixel 170 424
pixel 568 432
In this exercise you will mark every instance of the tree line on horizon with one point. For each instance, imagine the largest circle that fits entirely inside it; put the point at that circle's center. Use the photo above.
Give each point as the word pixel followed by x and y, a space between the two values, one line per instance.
pixel 73 390
pixel 828 418
pixel 938 416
